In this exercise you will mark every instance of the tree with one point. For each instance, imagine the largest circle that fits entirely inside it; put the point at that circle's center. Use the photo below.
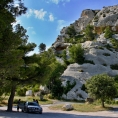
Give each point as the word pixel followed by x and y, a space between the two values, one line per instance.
pixel 42 47
pixel 76 52
pixel 10 55
pixel 101 87
pixel 108 33
pixel 53 82
pixel 89 32
pixel 71 31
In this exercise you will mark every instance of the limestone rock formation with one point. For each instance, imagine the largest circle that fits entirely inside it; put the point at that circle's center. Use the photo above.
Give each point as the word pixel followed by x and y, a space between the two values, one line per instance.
pixel 99 56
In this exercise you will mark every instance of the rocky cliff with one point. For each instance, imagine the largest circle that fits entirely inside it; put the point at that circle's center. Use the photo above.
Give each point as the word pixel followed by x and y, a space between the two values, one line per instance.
pixel 100 51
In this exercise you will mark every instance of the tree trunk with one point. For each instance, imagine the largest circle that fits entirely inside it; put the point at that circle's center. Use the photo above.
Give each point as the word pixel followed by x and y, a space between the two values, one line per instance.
pixel 11 98
pixel 103 103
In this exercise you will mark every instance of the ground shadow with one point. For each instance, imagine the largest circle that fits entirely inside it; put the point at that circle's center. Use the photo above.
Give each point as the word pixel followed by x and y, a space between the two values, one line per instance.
pixel 15 114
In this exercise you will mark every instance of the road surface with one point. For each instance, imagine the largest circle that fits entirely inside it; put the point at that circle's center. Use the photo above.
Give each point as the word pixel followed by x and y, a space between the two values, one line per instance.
pixel 47 113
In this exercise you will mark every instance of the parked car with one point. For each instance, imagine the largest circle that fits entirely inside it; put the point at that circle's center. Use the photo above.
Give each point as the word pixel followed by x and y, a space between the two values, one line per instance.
pixel 31 107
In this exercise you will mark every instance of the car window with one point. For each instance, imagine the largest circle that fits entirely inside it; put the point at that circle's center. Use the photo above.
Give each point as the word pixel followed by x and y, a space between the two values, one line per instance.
pixel 33 104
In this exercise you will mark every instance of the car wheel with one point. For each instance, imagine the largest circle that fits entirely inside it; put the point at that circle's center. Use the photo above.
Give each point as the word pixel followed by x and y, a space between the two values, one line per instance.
pixel 27 110
pixel 40 112
pixel 22 110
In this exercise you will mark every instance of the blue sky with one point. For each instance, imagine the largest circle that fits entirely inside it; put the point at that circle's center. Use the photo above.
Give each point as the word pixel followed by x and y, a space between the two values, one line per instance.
pixel 45 18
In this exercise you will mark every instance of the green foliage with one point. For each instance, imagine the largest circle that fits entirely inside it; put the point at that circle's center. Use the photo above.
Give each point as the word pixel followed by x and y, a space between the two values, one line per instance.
pixel 21 91
pixel 89 61
pixel 76 53
pixel 101 87
pixel 114 67
pixel 108 33
pixel 42 47
pixel 71 31
pixel 64 55
pixel 36 88
pixel 57 89
pixel 52 75
pixel 68 87
pixel 75 39
pixel 84 88
pixel 104 15
pixel 114 43
pixel 101 48
pixel 104 64
pixel 96 18
pixel 89 32
pixel 106 54
pixel 108 47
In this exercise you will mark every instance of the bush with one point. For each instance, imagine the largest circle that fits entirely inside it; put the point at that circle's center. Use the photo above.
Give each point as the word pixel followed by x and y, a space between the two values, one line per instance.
pixel 69 87
pixel 89 61
pixel 76 53
pixel 114 67
pixel 21 91
pixel 108 33
pixel 104 64
pixel 89 33
pixel 71 31
pixel 106 54
pixel 35 88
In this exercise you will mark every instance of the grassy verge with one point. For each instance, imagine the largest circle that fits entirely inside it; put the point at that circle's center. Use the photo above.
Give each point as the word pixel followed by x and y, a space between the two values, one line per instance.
pixel 83 107
pixel 24 99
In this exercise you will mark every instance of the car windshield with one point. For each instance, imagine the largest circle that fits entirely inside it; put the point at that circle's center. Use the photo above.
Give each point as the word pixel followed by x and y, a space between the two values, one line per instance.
pixel 33 104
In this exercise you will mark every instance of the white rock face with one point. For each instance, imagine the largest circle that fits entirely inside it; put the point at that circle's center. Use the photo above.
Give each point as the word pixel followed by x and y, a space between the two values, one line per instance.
pixel 102 59
pixel 108 16
pixel 96 52
pixel 44 88
pixel 29 93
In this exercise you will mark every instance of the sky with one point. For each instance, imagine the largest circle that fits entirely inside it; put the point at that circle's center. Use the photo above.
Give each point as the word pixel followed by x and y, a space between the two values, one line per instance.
pixel 45 18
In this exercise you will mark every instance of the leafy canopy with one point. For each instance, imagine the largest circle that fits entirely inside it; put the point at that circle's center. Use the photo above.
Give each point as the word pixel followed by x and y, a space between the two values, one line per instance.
pixel 101 87
pixel 42 47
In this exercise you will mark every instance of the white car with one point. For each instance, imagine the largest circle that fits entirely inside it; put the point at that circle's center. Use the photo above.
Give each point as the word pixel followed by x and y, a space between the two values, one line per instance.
pixel 31 107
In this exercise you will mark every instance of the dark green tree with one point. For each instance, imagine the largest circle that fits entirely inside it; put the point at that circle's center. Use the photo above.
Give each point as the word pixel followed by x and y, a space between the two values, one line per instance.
pixel 42 47
pixel 71 31
pixel 101 87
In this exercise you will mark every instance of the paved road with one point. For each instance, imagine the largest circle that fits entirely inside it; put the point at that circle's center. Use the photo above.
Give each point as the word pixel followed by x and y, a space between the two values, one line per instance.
pixel 47 113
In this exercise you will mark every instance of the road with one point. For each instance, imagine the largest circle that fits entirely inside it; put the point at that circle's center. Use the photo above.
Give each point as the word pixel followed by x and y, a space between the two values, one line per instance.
pixel 47 113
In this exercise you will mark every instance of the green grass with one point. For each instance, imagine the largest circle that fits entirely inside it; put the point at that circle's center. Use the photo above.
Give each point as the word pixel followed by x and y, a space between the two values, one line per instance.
pixel 83 107
pixel 24 99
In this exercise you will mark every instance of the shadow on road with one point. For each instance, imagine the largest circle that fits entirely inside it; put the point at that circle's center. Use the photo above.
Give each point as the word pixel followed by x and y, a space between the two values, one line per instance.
pixel 14 114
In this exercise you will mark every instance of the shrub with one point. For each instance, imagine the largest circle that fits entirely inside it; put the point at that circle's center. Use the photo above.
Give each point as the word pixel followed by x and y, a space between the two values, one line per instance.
pixel 21 91
pixel 76 53
pixel 108 33
pixel 69 86
pixel 114 67
pixel 95 18
pixel 104 64
pixel 108 47
pixel 89 32
pixel 106 54
pixel 35 88
pixel 71 31
pixel 89 61
pixel 104 15
pixel 101 48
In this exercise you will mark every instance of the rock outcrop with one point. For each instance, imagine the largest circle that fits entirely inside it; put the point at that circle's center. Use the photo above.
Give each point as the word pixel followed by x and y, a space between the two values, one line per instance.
pixel 96 52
